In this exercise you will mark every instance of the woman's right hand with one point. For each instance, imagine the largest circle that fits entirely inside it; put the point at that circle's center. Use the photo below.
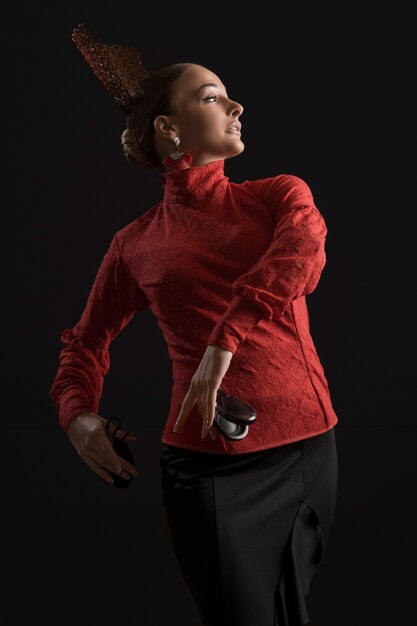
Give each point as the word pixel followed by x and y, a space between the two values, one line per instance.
pixel 87 433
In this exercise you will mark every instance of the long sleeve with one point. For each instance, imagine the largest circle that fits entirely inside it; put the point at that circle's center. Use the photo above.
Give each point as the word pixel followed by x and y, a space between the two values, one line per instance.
pixel 290 267
pixel 113 300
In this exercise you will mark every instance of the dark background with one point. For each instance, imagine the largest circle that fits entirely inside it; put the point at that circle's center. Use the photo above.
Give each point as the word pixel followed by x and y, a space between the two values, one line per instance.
pixel 329 95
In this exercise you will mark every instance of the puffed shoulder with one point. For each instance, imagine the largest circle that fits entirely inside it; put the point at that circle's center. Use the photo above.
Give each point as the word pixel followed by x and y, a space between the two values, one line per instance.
pixel 280 186
pixel 282 193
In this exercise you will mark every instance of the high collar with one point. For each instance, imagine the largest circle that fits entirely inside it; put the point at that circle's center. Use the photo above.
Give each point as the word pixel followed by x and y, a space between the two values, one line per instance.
pixel 195 184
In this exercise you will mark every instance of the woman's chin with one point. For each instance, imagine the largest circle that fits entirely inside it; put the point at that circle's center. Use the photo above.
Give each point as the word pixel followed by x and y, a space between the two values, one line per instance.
pixel 238 149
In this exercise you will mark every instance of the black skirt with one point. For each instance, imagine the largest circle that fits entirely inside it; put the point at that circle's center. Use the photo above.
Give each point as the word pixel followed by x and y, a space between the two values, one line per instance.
pixel 249 530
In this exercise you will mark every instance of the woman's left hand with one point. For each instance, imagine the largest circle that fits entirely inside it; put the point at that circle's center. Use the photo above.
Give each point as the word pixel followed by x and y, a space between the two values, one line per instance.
pixel 203 388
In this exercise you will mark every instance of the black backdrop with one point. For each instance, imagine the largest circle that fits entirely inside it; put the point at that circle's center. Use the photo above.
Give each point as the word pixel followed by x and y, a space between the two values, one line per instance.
pixel 329 95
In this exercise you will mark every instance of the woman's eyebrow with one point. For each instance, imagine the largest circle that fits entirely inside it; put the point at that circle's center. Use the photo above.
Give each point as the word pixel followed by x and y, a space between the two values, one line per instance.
pixel 209 85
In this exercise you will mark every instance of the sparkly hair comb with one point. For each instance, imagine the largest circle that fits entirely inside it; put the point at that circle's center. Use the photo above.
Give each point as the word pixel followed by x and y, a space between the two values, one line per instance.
pixel 119 68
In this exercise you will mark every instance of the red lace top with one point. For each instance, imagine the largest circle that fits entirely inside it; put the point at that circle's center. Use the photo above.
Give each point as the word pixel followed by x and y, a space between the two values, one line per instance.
pixel 219 263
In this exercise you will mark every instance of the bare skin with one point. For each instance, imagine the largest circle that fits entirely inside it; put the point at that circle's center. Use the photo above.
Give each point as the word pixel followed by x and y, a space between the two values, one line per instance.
pixel 203 389
pixel 87 433
pixel 204 119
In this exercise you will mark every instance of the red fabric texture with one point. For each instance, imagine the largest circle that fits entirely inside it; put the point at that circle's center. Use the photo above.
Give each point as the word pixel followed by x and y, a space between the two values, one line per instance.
pixel 218 263
pixel 178 164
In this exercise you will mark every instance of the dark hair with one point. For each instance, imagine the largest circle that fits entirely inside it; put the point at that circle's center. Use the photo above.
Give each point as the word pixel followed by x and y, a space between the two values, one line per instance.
pixel 137 139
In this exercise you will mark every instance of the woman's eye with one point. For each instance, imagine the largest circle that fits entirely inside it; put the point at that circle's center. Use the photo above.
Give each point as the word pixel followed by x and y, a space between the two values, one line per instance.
pixel 210 98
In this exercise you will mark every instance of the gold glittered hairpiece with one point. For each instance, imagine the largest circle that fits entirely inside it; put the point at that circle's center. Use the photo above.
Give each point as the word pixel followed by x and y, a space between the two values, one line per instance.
pixel 118 67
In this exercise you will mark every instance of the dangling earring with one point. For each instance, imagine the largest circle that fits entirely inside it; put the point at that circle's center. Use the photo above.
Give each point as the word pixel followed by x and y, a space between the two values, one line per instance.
pixel 177 154
pixel 177 160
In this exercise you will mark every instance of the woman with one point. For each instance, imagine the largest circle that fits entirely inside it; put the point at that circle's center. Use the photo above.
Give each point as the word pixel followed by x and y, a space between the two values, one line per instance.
pixel 225 268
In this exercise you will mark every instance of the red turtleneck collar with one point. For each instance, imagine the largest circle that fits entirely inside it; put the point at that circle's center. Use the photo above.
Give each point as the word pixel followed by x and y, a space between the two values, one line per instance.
pixel 195 183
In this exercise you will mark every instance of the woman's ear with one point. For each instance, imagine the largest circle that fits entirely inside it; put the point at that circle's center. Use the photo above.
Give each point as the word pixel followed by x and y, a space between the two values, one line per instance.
pixel 163 127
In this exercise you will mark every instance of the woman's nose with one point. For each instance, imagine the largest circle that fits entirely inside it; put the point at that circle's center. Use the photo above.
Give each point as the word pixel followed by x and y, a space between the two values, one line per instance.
pixel 236 109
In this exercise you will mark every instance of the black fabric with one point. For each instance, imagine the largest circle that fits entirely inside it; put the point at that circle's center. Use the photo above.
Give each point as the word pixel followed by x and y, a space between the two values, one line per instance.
pixel 249 530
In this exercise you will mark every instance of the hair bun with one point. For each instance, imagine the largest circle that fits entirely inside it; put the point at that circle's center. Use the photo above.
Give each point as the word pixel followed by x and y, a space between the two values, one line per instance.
pixel 127 142
pixel 134 152
pixel 138 138
pixel 130 146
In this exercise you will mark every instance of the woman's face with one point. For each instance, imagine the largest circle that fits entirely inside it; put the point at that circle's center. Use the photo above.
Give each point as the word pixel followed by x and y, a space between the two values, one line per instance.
pixel 205 119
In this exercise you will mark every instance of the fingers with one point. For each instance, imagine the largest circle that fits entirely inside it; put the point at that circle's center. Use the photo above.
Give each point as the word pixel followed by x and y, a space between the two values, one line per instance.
pixel 124 437
pixel 107 478
pixel 212 431
pixel 187 404
pixel 107 459
pixel 100 455
pixel 130 438
pixel 208 415
pixel 211 405
pixel 206 407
